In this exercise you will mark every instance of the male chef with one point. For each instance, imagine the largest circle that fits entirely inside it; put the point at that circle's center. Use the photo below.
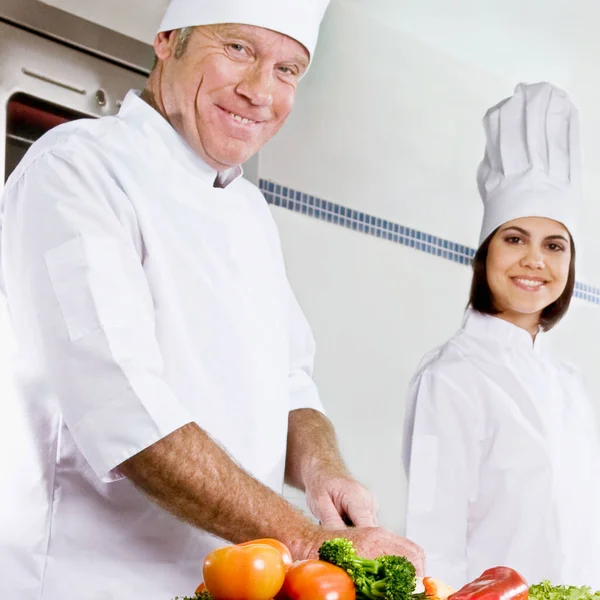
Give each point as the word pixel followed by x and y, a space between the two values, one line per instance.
pixel 165 366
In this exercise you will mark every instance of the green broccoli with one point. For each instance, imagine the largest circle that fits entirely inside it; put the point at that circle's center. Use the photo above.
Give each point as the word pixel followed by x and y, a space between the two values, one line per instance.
pixel 396 579
pixel 386 577
pixel 341 552
pixel 203 595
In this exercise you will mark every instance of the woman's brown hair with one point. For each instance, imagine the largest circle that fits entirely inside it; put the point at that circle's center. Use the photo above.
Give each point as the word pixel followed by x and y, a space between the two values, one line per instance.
pixel 482 300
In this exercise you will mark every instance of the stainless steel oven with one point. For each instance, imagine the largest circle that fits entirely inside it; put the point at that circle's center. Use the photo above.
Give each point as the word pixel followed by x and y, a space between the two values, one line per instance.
pixel 55 67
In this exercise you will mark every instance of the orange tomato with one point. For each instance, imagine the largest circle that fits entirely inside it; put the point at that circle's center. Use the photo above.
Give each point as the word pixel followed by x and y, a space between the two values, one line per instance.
pixel 317 580
pixel 286 555
pixel 249 572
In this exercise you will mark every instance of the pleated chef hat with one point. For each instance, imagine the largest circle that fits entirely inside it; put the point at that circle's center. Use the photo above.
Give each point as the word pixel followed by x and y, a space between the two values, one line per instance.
pixel 532 161
pixel 298 19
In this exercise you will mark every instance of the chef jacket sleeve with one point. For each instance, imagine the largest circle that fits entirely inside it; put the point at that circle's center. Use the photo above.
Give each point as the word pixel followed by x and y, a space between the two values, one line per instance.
pixel 303 390
pixel 441 454
pixel 78 296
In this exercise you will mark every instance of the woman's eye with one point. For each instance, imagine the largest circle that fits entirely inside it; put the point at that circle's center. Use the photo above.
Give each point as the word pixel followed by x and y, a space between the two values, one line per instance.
pixel 555 248
pixel 513 239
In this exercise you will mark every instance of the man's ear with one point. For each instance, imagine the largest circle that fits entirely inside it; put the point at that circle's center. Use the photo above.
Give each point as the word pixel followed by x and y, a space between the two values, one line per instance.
pixel 163 44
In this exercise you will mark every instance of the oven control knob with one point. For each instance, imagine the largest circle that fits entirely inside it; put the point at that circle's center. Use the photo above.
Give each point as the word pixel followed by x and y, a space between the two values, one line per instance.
pixel 101 98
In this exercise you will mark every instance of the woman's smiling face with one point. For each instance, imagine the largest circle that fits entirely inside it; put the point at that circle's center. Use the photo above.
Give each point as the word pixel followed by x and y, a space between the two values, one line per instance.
pixel 528 265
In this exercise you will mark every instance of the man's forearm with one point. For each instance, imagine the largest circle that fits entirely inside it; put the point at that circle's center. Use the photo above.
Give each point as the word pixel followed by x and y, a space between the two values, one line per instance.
pixel 190 476
pixel 312 448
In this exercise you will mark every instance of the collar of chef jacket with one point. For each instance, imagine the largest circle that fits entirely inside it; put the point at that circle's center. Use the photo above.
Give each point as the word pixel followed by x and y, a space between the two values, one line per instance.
pixel 500 331
pixel 164 139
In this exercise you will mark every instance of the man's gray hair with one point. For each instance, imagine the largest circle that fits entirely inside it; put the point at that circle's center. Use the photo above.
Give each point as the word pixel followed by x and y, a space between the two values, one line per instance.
pixel 183 39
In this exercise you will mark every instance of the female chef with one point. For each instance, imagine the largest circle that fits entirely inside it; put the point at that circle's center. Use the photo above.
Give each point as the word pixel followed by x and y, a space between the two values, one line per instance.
pixel 501 449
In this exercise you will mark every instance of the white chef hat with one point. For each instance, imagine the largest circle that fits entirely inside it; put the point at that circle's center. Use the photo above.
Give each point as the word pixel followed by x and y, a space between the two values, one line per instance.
pixel 532 161
pixel 298 19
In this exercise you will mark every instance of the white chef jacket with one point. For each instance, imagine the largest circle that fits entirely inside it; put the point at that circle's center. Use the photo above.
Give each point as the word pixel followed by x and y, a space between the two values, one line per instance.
pixel 503 460
pixel 142 298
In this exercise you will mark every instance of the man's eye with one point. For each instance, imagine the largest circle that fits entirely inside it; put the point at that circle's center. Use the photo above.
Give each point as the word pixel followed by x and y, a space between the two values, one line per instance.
pixel 287 70
pixel 237 47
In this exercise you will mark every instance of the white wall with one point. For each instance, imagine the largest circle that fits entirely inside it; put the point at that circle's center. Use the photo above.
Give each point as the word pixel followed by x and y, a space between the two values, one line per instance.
pixel 388 121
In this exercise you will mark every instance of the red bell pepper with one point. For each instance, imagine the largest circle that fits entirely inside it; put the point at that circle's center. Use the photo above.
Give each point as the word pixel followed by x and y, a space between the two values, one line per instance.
pixel 499 583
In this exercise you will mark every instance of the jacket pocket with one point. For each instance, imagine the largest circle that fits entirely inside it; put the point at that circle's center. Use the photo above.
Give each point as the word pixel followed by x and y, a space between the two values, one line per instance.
pixel 91 285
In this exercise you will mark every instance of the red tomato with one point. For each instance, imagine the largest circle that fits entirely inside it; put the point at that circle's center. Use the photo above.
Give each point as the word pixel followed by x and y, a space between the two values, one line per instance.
pixel 251 572
pixel 286 555
pixel 317 580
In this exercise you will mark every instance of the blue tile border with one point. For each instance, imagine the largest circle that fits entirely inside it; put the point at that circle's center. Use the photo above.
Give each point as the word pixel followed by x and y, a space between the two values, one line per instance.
pixel 336 214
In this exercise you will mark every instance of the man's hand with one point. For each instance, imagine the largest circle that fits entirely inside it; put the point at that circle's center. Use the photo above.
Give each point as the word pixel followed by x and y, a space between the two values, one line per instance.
pixel 340 501
pixel 369 542
pixel 314 465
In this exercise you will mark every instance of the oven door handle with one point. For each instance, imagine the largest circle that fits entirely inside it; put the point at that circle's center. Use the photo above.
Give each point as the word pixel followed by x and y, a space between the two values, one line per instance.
pixel 47 79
